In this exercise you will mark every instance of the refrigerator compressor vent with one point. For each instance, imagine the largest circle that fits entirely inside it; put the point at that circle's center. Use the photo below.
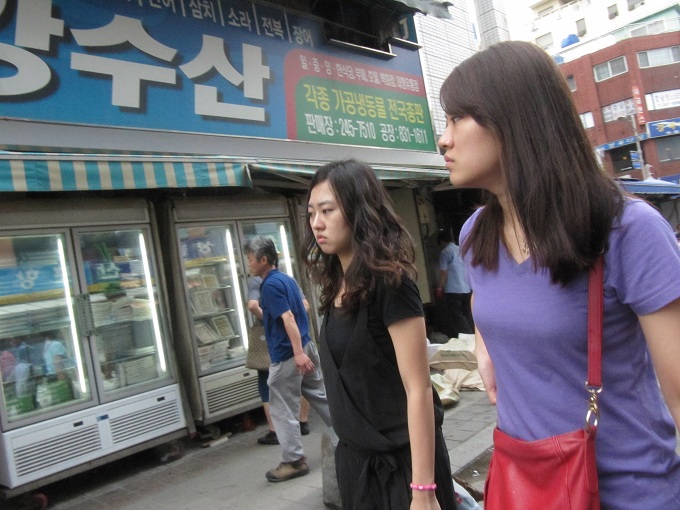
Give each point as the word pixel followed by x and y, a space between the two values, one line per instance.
pixel 56 450
pixel 145 421
pixel 232 395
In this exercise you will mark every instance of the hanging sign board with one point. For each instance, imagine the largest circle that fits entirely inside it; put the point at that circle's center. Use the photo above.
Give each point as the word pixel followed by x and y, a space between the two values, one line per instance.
pixel 639 110
pixel 635 160
pixel 226 67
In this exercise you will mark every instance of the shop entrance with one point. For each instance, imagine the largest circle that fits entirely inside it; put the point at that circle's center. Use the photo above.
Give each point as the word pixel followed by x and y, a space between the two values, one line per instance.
pixel 452 208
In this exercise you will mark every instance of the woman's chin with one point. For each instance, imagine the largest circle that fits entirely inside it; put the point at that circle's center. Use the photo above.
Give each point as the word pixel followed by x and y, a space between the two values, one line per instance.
pixel 457 181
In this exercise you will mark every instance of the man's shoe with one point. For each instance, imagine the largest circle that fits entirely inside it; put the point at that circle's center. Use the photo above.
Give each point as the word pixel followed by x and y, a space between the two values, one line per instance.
pixel 268 438
pixel 304 428
pixel 288 470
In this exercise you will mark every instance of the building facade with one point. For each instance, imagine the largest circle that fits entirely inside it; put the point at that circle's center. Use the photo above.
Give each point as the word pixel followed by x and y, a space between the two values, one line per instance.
pixel 573 28
pixel 445 44
pixel 493 24
pixel 621 59
pixel 628 95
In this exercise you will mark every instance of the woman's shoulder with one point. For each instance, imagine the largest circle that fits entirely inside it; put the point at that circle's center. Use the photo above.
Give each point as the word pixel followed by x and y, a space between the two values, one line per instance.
pixel 643 259
pixel 395 301
pixel 469 223
pixel 384 285
pixel 633 206
pixel 638 214
pixel 389 291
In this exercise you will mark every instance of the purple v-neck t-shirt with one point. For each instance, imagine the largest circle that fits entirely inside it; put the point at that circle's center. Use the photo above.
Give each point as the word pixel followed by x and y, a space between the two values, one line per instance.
pixel 536 335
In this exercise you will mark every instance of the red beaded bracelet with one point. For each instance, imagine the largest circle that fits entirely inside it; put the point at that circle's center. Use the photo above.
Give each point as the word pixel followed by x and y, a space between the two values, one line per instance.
pixel 417 487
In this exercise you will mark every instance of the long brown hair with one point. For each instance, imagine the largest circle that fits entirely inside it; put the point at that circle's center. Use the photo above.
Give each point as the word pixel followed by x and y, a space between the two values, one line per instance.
pixel 564 201
pixel 382 246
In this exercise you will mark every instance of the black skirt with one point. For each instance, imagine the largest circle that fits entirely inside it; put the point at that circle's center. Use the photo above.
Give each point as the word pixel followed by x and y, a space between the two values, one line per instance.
pixel 371 480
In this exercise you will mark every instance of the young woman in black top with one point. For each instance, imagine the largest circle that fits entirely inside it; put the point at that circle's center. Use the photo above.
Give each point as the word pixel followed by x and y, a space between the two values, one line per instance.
pixel 391 453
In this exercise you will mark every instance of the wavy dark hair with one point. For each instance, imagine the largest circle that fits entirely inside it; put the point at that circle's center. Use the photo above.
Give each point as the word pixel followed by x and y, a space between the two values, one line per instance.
pixel 564 201
pixel 382 246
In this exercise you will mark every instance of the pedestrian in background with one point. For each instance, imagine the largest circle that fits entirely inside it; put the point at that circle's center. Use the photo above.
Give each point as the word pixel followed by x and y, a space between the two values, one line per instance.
pixel 295 370
pixel 453 288
pixel 391 453
pixel 512 130
pixel 258 359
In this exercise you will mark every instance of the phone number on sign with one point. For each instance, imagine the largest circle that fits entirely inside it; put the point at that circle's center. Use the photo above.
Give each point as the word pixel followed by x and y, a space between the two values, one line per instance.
pixel 327 126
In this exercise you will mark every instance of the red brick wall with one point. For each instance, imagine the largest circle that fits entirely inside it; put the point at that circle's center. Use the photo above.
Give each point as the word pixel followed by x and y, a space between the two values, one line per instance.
pixel 590 96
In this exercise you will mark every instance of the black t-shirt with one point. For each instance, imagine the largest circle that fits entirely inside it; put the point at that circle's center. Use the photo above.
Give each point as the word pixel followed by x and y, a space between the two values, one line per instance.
pixel 368 403
pixel 389 305
pixel 370 393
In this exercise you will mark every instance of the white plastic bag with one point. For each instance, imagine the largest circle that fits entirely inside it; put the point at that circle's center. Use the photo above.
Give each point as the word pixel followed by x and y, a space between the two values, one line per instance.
pixel 463 499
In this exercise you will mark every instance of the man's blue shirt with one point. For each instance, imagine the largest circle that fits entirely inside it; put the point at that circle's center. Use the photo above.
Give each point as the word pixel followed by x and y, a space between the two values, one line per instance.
pixel 279 294
pixel 456 277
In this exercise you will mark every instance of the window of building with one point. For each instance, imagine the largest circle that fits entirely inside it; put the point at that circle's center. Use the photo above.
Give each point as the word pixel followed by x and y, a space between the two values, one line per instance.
pixel 613 11
pixel 656 27
pixel 639 32
pixel 614 111
pixel 668 148
pixel 545 41
pixel 587 119
pixel 663 99
pixel 611 68
pixel 634 4
pixel 659 57
pixel 546 11
pixel 581 27
pixel 571 82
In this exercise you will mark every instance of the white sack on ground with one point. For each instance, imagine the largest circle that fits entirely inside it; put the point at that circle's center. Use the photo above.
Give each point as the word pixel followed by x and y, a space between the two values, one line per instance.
pixel 456 368
pixel 456 353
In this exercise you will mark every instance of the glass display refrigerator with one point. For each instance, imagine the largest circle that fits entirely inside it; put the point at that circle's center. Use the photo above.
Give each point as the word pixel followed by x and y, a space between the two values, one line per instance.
pixel 208 276
pixel 86 370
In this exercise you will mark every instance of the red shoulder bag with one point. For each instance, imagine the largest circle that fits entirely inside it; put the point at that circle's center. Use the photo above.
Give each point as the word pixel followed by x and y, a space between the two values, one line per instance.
pixel 559 472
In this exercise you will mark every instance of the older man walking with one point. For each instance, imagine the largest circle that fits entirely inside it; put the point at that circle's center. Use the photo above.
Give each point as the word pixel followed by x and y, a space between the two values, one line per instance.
pixel 295 369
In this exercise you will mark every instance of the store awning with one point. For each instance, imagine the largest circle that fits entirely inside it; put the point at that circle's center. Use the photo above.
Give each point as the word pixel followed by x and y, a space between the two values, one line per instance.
pixel 75 172
pixel 300 175
pixel 651 187
pixel 42 172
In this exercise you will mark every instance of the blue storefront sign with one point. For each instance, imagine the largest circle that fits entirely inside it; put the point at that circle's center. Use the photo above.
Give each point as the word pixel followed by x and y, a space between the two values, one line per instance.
pixel 666 127
pixel 228 67
pixel 623 141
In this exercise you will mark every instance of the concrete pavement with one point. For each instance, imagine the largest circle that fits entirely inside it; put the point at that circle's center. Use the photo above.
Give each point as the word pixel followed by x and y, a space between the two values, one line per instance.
pixel 231 473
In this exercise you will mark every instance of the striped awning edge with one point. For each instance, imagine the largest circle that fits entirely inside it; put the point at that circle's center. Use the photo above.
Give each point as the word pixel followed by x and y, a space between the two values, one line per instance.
pixel 383 173
pixel 51 174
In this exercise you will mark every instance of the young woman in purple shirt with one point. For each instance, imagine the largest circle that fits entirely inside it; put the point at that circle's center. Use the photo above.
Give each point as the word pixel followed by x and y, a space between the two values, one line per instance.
pixel 512 130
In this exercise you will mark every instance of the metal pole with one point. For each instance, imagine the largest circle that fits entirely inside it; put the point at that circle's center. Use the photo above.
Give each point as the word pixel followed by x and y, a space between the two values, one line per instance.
pixel 638 147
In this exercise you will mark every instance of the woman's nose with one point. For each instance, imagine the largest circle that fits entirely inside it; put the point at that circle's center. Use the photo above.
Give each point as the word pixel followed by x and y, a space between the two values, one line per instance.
pixel 315 221
pixel 444 141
